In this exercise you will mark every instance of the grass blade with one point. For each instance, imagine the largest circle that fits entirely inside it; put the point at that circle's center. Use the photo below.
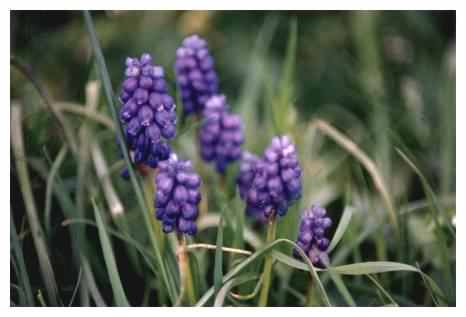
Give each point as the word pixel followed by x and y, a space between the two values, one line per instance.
pixel 102 68
pixel 23 276
pixel 218 267
pixel 436 212
pixel 75 291
pixel 281 104
pixel 382 290
pixel 109 258
pixel 50 183
pixel 148 257
pixel 68 207
pixel 364 268
pixel 222 294
pixel 342 289
pixel 91 284
pixel 17 143
pixel 257 256
pixel 368 164
pixel 342 225
pixel 250 295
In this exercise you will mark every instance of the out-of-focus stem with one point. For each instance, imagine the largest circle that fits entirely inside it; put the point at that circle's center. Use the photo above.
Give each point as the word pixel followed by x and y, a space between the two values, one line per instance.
pixel 114 203
pixel 267 274
pixel 309 297
pixel 149 192
pixel 187 287
pixel 223 182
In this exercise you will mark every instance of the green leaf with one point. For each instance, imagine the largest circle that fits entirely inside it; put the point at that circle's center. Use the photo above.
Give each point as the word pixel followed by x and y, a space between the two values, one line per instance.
pixel 282 102
pixel 19 153
pixel 373 267
pixel 147 256
pixel 50 183
pixel 103 72
pixel 222 294
pixel 109 258
pixel 436 210
pixel 341 287
pixel 382 290
pixel 364 268
pixel 23 276
pixel 342 225
pixel 218 273
pixel 75 291
pixel 257 256
pixel 436 213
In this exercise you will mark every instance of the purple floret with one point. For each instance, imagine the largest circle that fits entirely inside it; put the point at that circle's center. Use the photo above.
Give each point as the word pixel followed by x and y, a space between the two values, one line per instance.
pixel 221 134
pixel 311 236
pixel 272 183
pixel 178 196
pixel 195 74
pixel 147 112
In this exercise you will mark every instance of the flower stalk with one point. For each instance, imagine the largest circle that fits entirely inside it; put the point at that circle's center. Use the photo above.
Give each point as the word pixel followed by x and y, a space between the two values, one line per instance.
pixel 186 279
pixel 267 273
pixel 149 191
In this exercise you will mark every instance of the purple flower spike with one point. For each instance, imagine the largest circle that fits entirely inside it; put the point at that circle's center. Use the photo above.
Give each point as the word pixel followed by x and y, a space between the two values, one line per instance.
pixel 221 134
pixel 147 111
pixel 272 183
pixel 311 237
pixel 195 73
pixel 177 196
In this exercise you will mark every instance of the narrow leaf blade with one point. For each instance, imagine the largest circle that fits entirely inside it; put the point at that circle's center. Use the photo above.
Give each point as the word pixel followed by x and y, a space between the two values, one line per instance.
pixel 109 258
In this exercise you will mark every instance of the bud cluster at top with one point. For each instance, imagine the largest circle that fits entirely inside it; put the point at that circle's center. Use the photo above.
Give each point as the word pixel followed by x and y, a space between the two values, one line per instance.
pixel 177 196
pixel 311 236
pixel 147 112
pixel 221 134
pixel 272 183
pixel 195 74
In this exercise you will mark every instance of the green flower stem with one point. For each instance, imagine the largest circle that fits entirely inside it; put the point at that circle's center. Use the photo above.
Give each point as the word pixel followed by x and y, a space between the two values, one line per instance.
pixel 149 192
pixel 309 298
pixel 187 286
pixel 223 183
pixel 267 274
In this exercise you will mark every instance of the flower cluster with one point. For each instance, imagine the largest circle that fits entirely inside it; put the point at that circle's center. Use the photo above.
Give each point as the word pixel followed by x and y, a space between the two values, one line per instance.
pixel 195 74
pixel 177 196
pixel 246 173
pixel 148 111
pixel 311 236
pixel 221 134
pixel 274 180
pixel 269 184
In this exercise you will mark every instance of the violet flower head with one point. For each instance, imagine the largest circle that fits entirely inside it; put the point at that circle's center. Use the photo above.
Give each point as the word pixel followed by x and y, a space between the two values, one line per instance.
pixel 178 196
pixel 195 73
pixel 221 134
pixel 148 111
pixel 276 181
pixel 311 236
pixel 246 173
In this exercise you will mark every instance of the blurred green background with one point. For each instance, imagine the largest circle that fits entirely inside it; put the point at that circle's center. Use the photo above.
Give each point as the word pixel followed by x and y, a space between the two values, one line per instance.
pixel 384 79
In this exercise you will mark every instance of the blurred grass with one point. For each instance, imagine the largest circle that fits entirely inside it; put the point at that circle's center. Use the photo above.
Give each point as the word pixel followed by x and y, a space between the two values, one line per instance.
pixel 383 80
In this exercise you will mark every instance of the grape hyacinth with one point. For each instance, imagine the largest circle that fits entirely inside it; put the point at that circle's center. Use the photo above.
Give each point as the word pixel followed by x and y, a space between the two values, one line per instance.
pixel 275 182
pixel 147 112
pixel 177 196
pixel 221 134
pixel 245 176
pixel 195 74
pixel 311 236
